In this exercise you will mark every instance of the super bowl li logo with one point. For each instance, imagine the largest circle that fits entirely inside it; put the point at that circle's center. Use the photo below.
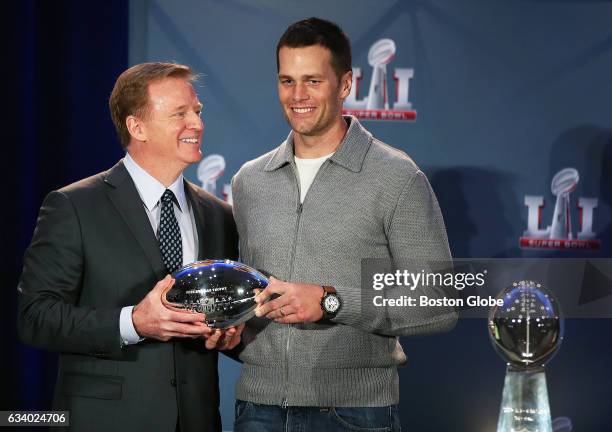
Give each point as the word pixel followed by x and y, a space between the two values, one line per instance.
pixel 559 234
pixel 210 169
pixel 375 106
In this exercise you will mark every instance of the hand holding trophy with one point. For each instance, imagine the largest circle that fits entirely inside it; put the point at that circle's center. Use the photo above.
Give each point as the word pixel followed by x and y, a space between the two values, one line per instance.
pixel 223 290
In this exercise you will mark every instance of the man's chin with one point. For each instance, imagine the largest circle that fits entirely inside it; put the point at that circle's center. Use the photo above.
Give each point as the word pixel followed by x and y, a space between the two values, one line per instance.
pixel 302 129
pixel 194 157
pixel 299 127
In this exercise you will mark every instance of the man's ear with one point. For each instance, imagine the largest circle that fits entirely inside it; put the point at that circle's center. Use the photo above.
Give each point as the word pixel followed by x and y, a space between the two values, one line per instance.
pixel 136 128
pixel 346 82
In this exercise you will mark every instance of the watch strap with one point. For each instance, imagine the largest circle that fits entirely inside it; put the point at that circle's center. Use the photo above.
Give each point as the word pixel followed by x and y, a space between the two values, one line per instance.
pixel 328 290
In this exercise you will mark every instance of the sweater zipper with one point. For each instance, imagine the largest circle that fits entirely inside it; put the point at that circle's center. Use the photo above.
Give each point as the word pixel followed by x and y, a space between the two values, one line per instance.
pixel 285 402
pixel 300 206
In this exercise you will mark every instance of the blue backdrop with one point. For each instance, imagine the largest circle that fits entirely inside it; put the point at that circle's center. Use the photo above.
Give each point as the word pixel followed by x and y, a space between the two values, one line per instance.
pixel 506 94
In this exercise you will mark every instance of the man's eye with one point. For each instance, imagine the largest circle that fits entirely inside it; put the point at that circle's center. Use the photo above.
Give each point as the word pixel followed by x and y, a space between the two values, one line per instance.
pixel 286 82
pixel 314 82
pixel 180 114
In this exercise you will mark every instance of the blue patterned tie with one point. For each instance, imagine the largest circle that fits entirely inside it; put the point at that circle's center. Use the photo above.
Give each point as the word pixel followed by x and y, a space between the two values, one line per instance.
pixel 169 234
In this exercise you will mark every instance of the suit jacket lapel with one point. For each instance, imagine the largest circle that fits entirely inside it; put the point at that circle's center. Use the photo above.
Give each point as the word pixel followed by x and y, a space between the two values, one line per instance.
pixel 201 212
pixel 124 196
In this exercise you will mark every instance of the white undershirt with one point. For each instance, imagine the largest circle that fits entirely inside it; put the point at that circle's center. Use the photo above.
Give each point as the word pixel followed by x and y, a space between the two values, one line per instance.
pixel 307 171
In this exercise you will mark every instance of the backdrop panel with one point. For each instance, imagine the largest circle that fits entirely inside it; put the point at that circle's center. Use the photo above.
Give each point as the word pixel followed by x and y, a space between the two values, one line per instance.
pixel 505 95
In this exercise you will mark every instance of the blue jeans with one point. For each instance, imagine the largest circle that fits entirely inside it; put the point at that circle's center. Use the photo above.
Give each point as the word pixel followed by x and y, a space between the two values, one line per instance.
pixel 252 417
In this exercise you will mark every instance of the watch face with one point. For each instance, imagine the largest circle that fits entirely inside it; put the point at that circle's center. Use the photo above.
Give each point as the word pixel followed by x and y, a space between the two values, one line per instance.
pixel 331 303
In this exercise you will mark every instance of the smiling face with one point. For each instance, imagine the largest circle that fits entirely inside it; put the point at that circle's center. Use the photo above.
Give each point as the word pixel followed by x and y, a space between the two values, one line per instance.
pixel 170 135
pixel 309 90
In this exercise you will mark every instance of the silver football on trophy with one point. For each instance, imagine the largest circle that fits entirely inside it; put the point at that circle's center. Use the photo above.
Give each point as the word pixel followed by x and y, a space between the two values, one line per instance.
pixel 223 290
pixel 528 329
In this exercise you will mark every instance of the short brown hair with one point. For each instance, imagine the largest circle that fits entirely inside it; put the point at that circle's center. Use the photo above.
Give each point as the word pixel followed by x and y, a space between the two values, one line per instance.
pixel 317 31
pixel 130 96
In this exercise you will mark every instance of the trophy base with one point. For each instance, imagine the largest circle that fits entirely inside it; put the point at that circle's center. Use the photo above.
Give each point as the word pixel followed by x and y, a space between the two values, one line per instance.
pixel 525 406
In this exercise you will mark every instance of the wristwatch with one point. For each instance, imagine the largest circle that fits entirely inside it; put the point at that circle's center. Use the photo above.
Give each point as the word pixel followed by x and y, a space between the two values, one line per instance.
pixel 330 302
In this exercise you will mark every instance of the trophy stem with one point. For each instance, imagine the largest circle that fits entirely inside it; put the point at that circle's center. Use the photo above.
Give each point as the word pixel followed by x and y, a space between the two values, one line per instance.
pixel 524 406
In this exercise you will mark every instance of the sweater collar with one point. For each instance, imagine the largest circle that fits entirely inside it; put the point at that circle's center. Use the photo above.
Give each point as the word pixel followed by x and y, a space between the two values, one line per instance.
pixel 349 154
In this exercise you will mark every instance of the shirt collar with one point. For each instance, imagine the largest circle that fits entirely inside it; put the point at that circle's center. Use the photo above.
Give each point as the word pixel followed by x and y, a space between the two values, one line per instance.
pixel 349 154
pixel 150 189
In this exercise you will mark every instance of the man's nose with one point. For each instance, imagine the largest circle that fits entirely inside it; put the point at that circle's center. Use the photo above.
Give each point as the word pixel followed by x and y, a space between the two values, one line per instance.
pixel 195 122
pixel 300 92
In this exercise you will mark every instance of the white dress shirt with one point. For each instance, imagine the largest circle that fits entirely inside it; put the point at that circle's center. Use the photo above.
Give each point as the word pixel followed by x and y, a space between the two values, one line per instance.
pixel 151 191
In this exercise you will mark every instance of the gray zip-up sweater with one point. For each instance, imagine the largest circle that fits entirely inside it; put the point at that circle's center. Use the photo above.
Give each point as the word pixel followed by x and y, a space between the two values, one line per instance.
pixel 368 200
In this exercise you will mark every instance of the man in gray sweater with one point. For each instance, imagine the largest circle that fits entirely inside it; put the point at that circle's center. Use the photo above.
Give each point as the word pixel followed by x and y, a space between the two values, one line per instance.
pixel 317 356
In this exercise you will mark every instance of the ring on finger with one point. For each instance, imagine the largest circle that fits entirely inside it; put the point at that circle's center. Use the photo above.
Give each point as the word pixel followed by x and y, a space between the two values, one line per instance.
pixel 281 311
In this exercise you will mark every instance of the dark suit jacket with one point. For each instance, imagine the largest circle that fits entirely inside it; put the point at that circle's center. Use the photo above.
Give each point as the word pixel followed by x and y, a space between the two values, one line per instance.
pixel 93 252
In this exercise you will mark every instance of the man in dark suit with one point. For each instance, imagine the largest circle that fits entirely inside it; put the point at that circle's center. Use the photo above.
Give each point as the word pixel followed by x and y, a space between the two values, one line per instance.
pixel 109 242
